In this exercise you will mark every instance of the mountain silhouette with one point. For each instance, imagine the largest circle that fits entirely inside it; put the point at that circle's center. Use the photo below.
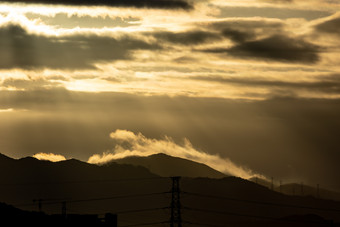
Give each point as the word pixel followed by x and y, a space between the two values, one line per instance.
pixel 138 196
pixel 167 166
pixel 306 190
pixel 299 189
pixel 30 169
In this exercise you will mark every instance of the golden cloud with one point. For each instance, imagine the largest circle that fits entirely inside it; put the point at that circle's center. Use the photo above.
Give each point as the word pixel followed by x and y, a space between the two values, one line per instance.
pixel 49 157
pixel 139 145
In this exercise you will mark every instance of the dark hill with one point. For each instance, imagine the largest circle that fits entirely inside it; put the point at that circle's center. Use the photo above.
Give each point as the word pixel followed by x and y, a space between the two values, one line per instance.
pixel 33 170
pixel 296 189
pixel 166 166
pixel 306 190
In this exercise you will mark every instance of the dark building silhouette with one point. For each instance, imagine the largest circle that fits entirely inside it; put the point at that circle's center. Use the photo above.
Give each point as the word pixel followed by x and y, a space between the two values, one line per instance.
pixel 11 216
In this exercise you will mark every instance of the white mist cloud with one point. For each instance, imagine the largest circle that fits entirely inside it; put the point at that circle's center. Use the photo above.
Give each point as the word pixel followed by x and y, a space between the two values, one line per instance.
pixel 139 145
pixel 49 157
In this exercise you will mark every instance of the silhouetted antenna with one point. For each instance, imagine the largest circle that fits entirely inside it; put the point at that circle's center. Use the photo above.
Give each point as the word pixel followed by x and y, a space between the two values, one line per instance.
pixel 111 220
pixel 63 209
pixel 318 191
pixel 39 204
pixel 175 219
pixel 272 185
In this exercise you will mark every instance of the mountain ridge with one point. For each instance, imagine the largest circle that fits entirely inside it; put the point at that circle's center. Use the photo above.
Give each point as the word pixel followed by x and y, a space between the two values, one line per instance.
pixel 166 166
pixel 299 189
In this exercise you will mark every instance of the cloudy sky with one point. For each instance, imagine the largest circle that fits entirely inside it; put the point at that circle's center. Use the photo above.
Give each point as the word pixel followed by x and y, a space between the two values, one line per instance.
pixel 246 86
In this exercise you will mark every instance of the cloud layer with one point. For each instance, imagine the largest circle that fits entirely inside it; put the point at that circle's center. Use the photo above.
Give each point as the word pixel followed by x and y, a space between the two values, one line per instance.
pixel 131 144
pixel 23 50
pixel 330 26
pixel 277 48
pixel 147 52
pixel 161 4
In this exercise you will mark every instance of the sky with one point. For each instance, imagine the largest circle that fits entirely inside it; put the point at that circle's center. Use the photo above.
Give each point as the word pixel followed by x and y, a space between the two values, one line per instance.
pixel 248 87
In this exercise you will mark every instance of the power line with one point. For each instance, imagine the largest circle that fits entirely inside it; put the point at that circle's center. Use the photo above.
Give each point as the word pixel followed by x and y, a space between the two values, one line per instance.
pixel 142 224
pixel 117 197
pixel 176 205
pixel 140 210
pixel 262 203
pixel 200 224
pixel 85 181
pixel 228 213
pixel 98 199
pixel 247 215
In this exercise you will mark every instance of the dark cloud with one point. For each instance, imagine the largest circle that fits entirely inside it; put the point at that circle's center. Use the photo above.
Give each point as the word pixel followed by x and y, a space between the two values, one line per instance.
pixel 264 40
pixel 274 48
pixel 259 27
pixel 238 35
pixel 188 37
pixel 324 84
pixel 246 30
pixel 160 4
pixel 331 26
pixel 238 31
pixel 22 50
